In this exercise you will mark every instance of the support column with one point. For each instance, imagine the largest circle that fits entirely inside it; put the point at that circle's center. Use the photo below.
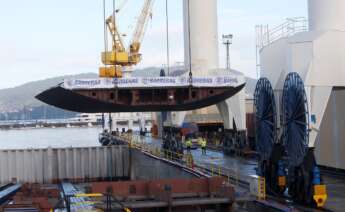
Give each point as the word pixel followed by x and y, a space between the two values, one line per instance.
pixel 234 109
pixel 200 42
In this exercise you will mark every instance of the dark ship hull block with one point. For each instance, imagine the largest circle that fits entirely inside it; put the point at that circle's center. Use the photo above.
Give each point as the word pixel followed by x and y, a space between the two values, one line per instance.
pixel 136 99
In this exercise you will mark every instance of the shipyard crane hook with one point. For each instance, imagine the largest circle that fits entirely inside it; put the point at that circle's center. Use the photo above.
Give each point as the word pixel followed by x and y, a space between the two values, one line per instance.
pixel 119 56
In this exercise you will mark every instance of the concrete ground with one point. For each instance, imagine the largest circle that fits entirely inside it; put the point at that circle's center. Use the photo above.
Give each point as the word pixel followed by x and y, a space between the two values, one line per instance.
pixel 215 159
pixel 244 168
pixel 336 192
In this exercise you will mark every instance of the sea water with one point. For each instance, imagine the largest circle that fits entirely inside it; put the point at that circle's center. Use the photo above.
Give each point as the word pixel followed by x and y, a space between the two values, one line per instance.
pixel 49 137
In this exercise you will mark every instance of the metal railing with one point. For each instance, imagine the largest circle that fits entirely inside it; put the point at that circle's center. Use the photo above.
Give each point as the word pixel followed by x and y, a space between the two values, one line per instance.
pixel 185 159
pixel 266 35
pixel 136 142
pixel 256 186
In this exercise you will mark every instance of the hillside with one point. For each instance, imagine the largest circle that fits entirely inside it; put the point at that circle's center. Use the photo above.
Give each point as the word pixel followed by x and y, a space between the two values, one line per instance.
pixel 19 102
pixel 15 99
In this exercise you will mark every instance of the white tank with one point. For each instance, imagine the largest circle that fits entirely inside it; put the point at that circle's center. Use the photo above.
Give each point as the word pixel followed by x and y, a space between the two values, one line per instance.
pixel 204 35
pixel 326 15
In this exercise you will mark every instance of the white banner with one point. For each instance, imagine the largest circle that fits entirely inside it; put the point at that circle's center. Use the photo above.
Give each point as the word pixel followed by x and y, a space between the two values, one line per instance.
pixel 155 82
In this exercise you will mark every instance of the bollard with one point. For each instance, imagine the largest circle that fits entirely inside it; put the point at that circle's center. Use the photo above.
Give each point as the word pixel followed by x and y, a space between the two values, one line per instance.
pixel 261 188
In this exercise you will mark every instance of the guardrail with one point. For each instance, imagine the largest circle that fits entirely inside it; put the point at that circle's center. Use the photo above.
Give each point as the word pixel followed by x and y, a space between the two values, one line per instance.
pixel 137 143
pixel 253 183
pixel 266 35
pixel 186 160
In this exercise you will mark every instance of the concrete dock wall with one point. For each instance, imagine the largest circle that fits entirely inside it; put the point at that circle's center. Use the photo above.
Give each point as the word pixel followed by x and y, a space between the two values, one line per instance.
pixel 47 165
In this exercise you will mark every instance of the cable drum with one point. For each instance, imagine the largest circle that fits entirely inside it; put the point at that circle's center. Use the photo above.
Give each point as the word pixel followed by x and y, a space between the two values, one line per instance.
pixel 265 118
pixel 295 120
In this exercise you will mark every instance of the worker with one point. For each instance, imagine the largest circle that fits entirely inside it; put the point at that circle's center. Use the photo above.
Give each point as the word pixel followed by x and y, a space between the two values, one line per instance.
pixel 203 144
pixel 189 144
pixel 200 140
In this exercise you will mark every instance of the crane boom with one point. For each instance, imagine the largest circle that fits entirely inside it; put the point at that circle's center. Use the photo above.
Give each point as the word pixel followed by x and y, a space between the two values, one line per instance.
pixel 119 56
pixel 118 44
pixel 140 29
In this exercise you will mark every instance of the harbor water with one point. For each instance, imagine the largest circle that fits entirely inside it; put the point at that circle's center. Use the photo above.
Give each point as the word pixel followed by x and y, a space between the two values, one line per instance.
pixel 49 137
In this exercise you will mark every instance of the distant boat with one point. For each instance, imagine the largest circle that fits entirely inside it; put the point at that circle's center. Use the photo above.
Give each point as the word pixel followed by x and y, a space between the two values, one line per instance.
pixel 88 118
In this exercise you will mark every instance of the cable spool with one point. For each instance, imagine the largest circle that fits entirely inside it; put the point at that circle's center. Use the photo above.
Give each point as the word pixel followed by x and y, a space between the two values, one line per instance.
pixel 295 120
pixel 265 118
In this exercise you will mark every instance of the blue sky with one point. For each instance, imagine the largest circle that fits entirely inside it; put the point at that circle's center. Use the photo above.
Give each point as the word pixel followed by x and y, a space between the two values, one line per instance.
pixel 46 38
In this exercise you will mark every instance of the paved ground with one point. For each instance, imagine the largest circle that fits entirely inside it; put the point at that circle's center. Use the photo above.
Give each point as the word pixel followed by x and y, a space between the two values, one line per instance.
pixel 216 159
pixel 336 192
pixel 244 167
pixel 240 165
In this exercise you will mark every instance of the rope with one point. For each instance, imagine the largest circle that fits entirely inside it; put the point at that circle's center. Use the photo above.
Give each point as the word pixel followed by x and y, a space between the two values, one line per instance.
pixel 167 32
pixel 189 46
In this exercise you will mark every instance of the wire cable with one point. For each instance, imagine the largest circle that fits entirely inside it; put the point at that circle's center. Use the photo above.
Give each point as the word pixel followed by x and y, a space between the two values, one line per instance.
pixel 114 40
pixel 105 29
pixel 189 47
pixel 114 20
pixel 167 35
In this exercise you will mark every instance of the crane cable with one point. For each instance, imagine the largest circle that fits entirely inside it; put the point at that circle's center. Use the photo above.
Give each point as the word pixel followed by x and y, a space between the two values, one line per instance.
pixel 114 38
pixel 189 47
pixel 167 34
pixel 114 20
pixel 114 35
pixel 105 30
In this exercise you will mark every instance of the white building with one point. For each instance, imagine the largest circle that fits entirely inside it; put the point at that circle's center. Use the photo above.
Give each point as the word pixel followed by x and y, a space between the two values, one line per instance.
pixel 318 56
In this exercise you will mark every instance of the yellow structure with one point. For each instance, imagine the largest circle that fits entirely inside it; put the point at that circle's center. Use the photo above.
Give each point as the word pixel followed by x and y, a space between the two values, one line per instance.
pixel 320 195
pixel 112 71
pixel 282 181
pixel 119 56
pixel 261 188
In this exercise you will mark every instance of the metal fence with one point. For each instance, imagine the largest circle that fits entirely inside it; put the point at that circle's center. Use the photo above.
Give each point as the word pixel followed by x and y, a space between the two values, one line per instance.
pixel 51 165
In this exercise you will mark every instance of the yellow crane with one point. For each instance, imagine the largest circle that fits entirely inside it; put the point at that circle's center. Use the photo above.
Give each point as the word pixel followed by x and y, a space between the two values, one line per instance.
pixel 119 56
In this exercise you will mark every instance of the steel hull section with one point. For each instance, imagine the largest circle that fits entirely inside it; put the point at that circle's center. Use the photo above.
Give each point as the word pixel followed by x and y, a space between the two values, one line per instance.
pixel 141 100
